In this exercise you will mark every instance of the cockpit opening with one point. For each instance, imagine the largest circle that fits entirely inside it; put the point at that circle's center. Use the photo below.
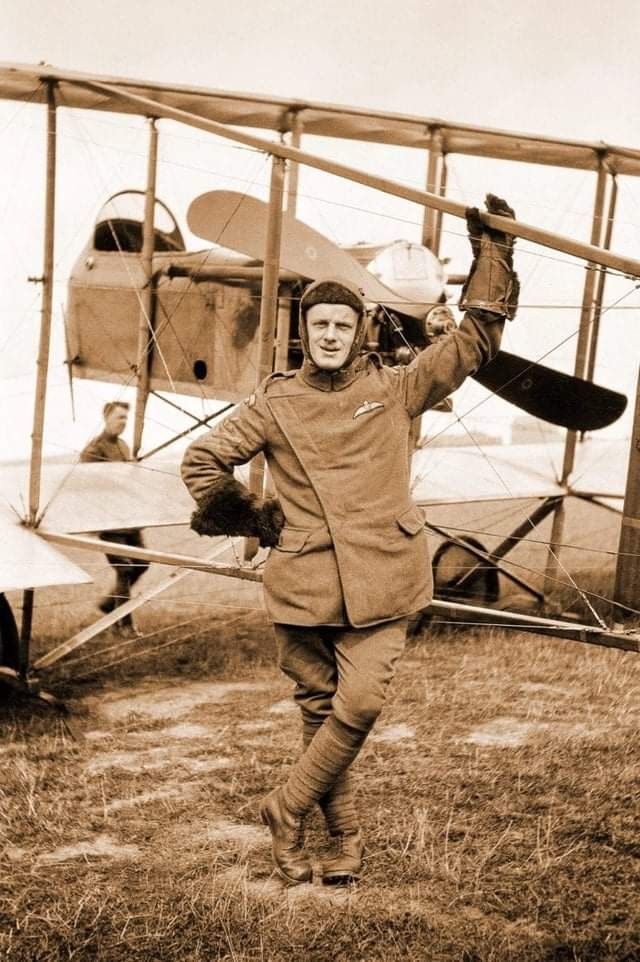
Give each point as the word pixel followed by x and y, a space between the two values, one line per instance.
pixel 119 225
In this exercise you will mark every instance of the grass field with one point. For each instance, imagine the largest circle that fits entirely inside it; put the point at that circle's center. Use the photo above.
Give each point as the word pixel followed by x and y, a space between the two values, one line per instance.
pixel 499 795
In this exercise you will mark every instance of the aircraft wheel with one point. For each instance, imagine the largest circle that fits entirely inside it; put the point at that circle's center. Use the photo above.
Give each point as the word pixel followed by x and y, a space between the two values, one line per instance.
pixel 9 639
pixel 450 563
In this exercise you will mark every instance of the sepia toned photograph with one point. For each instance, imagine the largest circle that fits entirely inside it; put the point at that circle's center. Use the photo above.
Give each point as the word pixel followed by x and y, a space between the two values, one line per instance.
pixel 320 482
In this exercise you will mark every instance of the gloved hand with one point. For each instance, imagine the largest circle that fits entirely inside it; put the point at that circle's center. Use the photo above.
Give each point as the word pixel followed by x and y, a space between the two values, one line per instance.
pixel 229 508
pixel 491 284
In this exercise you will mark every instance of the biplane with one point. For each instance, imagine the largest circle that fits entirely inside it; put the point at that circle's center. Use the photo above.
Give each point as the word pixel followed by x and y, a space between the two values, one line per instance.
pixel 143 311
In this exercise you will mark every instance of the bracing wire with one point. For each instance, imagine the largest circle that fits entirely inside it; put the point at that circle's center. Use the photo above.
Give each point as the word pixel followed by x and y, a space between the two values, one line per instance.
pixel 504 484
pixel 479 403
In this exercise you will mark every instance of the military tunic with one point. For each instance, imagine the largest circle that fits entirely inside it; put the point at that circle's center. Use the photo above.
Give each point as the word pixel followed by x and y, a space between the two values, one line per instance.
pixel 353 550
pixel 106 447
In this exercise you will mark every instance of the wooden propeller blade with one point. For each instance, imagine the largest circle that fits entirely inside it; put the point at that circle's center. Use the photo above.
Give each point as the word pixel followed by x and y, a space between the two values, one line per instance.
pixel 239 221
pixel 551 395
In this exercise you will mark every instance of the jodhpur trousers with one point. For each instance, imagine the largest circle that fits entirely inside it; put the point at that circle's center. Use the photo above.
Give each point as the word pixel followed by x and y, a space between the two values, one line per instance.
pixel 342 671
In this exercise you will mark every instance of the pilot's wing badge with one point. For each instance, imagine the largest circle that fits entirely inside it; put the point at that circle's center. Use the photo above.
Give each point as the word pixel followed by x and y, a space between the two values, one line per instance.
pixel 366 407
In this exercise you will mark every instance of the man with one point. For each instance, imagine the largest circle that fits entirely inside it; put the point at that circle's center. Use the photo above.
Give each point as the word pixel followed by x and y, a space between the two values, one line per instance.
pixel 350 559
pixel 109 446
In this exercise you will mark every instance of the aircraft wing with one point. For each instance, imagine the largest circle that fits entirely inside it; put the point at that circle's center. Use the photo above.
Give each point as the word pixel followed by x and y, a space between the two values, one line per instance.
pixel 26 561
pixel 25 82
pixel 83 498
pixel 77 498
pixel 451 475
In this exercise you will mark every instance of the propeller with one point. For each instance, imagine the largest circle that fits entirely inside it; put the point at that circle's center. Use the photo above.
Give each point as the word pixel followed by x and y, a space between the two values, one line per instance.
pixel 239 221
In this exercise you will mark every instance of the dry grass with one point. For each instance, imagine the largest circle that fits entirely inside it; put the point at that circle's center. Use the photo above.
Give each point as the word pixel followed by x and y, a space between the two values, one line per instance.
pixel 499 799
pixel 499 796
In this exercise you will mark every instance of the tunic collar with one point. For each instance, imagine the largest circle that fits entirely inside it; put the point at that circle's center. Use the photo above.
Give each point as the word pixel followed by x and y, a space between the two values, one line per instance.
pixel 329 380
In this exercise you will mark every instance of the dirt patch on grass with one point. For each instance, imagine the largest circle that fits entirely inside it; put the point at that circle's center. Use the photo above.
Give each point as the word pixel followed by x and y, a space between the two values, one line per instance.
pixel 286 706
pixel 168 793
pixel 393 733
pixel 514 732
pixel 170 701
pixel 498 802
pixel 245 835
pixel 102 846
pixel 151 759
pixel 256 726
pixel 539 688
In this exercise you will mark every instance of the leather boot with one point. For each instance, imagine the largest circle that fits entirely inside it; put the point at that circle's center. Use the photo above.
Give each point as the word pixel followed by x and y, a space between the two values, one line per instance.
pixel 341 816
pixel 286 828
pixel 345 865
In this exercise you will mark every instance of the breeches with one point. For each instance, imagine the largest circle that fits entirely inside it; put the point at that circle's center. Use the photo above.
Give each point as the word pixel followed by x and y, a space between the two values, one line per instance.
pixel 341 671
pixel 127 569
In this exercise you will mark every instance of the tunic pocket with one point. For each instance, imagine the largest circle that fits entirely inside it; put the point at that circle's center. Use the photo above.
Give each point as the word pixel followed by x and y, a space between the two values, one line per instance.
pixel 411 521
pixel 293 539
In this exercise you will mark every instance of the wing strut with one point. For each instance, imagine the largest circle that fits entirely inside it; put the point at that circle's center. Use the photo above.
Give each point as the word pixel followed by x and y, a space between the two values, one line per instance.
pixel 582 348
pixel 145 323
pixel 627 584
pixel 35 468
pixel 268 313
pixel 47 300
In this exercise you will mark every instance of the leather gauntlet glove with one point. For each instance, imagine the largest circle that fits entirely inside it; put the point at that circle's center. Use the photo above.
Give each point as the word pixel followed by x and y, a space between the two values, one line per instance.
pixel 229 508
pixel 492 284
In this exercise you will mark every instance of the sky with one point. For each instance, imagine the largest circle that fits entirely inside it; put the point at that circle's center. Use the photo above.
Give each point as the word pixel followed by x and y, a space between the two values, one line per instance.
pixel 566 68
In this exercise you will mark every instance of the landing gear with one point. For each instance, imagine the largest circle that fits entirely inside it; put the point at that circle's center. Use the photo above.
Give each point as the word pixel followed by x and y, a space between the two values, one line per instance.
pixel 9 638
pixel 461 574
pixel 11 677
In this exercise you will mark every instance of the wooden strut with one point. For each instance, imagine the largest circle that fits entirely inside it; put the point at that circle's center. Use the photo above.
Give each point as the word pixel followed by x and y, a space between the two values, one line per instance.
pixel 283 322
pixel 37 436
pixel 627 581
pixel 602 279
pixel 582 347
pixel 86 634
pixel 578 632
pixel 150 555
pixel 434 179
pixel 586 314
pixel 145 321
pixel 444 174
pixel 268 315
pixel 558 242
pixel 471 614
pixel 46 312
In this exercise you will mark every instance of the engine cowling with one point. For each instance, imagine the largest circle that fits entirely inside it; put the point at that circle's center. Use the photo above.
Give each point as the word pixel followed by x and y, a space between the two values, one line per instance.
pixel 412 271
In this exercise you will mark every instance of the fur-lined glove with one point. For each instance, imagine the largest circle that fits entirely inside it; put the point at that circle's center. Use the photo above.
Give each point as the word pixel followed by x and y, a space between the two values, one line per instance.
pixel 229 508
pixel 492 284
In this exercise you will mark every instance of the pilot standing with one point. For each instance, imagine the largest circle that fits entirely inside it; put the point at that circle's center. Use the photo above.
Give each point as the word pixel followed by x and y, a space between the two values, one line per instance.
pixel 350 558
pixel 109 446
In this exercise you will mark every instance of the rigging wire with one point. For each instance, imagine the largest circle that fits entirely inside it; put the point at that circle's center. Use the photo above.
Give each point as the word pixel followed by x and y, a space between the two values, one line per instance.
pixel 153 341
pixel 506 487
pixel 466 413
pixel 172 643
